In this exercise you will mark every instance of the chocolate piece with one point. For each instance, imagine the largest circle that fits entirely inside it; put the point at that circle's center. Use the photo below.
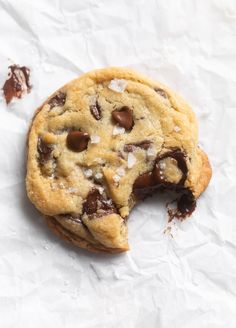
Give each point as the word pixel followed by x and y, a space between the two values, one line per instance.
pixel 58 100
pixel 143 144
pixel 18 82
pixel 77 140
pixel 95 201
pixel 161 92
pixel 44 150
pixel 96 111
pixel 124 117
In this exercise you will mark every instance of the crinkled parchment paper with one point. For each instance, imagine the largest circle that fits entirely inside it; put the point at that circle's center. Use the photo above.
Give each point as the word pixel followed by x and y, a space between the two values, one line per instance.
pixel 184 278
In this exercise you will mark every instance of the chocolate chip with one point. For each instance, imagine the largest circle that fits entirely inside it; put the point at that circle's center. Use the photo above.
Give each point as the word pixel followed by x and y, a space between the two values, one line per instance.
pixel 44 150
pixel 131 147
pixel 124 117
pixel 161 92
pixel 95 202
pixel 58 100
pixel 18 82
pixel 96 111
pixel 77 141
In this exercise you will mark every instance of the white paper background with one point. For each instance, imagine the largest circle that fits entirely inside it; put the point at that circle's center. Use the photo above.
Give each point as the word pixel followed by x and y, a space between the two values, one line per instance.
pixel 185 281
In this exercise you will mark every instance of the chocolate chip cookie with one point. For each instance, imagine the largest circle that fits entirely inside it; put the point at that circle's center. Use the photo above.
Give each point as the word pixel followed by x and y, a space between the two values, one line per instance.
pixel 104 142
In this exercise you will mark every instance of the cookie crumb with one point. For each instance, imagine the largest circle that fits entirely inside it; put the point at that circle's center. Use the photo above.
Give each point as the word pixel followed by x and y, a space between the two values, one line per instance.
pixel 94 139
pixel 101 190
pixel 118 130
pixel 131 160
pixel 118 85
pixel 162 165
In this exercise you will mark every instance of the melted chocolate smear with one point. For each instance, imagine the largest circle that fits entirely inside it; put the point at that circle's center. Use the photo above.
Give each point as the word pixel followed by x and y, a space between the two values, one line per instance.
pixel 161 92
pixel 96 111
pixel 44 150
pixel 186 204
pixel 58 100
pixel 18 82
pixel 131 147
pixel 95 201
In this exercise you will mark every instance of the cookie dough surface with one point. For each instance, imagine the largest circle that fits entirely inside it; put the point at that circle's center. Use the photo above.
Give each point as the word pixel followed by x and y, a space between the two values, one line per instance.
pixel 101 143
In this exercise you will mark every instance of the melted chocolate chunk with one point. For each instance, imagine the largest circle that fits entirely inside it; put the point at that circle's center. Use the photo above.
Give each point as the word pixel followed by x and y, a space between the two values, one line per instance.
pixel 124 117
pixel 77 141
pixel 96 111
pixel 18 82
pixel 180 158
pixel 143 144
pixel 44 150
pixel 95 201
pixel 144 181
pixel 161 92
pixel 58 100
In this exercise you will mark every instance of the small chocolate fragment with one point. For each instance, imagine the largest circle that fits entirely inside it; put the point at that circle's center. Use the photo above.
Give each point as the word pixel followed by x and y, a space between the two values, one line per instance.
pixel 44 150
pixel 77 140
pixel 161 92
pixel 58 100
pixel 131 147
pixel 124 117
pixel 95 201
pixel 18 82
pixel 96 111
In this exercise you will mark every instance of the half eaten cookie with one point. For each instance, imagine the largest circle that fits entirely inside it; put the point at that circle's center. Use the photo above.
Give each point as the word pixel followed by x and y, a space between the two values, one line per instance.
pixel 102 143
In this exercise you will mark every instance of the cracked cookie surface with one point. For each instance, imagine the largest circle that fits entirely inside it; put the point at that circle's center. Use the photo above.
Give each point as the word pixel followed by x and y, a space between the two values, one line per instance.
pixel 103 142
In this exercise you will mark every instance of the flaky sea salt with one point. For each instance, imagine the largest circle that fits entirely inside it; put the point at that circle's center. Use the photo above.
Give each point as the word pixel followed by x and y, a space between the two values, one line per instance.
pixel 118 85
pixel 151 152
pixel 116 178
pixel 118 130
pixel 120 171
pixel 177 128
pixel 98 175
pixel 100 189
pixel 162 165
pixel 88 173
pixel 131 160
pixel 95 139
pixel 72 190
